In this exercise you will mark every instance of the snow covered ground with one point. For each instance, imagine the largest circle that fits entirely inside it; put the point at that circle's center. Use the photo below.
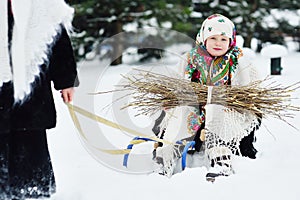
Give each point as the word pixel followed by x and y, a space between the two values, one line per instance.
pixel 273 175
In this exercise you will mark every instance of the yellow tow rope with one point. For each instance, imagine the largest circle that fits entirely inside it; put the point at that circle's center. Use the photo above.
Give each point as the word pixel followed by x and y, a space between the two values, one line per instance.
pixel 73 109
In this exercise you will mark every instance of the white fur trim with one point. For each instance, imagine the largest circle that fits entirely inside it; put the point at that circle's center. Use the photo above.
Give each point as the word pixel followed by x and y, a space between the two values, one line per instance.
pixel 36 25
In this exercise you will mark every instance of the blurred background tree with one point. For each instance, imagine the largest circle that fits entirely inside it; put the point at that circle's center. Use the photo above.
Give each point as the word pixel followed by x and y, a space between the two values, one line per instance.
pixel 96 20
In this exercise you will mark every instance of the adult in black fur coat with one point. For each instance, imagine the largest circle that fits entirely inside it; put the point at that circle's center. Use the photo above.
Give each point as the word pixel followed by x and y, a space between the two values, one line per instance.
pixel 25 164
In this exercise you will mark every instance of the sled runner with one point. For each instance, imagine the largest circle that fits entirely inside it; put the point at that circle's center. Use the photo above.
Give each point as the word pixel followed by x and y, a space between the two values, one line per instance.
pixel 138 140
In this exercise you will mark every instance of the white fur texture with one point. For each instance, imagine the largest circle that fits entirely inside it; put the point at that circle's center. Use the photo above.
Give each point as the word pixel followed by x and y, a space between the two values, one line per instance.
pixel 36 25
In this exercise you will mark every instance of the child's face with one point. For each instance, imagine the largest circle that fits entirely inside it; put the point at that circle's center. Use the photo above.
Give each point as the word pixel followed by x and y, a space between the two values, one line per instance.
pixel 217 45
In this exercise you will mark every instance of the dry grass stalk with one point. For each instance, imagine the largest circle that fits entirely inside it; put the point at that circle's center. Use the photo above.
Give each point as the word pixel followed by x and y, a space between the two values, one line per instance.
pixel 155 92
pixel 152 92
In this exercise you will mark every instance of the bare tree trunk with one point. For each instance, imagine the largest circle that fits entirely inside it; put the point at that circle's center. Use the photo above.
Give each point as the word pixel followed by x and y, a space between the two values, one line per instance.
pixel 247 40
pixel 250 33
pixel 117 43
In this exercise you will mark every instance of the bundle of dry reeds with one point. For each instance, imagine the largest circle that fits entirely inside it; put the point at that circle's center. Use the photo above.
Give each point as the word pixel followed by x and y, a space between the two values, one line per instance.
pixel 153 91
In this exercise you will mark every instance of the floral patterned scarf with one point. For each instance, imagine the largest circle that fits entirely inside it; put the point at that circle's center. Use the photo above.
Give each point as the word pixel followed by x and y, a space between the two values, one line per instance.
pixel 208 70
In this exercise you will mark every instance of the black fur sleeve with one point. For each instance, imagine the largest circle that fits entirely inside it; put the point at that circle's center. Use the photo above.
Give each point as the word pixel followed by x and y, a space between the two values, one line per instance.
pixel 62 64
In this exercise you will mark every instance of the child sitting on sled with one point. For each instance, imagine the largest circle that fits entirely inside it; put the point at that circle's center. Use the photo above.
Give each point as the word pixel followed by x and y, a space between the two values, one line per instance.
pixel 217 131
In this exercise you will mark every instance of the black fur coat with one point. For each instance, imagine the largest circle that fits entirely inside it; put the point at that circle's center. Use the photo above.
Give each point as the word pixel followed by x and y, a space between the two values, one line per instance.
pixel 38 111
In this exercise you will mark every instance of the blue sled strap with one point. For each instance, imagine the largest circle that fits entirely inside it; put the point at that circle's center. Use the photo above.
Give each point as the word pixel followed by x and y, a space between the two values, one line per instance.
pixel 136 140
pixel 189 145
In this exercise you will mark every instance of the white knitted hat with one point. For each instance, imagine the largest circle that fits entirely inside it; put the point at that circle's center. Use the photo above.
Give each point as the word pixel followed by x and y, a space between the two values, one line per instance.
pixel 216 25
